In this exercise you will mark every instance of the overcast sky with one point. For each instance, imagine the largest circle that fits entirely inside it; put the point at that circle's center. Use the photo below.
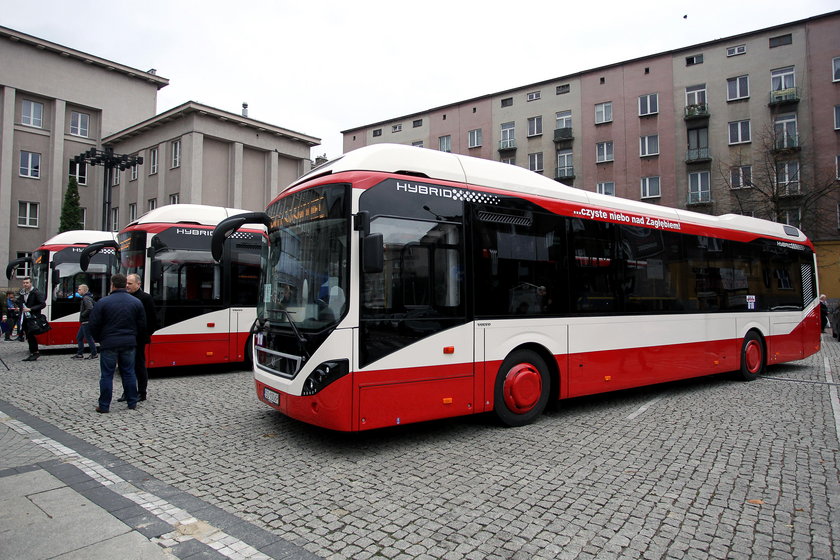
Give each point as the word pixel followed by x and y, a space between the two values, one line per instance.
pixel 325 66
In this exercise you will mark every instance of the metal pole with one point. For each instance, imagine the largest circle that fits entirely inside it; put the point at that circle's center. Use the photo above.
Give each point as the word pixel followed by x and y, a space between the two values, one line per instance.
pixel 106 199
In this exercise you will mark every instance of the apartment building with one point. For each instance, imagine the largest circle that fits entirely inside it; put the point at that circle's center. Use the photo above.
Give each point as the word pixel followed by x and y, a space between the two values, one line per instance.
pixel 748 124
pixel 57 102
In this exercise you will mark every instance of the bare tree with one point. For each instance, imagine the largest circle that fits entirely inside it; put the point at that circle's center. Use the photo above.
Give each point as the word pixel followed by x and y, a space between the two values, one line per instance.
pixel 776 177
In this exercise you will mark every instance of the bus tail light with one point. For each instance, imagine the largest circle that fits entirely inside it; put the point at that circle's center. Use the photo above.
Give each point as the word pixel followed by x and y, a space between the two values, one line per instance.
pixel 323 375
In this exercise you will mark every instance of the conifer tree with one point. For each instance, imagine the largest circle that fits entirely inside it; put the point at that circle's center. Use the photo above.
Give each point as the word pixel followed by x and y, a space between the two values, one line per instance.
pixel 71 212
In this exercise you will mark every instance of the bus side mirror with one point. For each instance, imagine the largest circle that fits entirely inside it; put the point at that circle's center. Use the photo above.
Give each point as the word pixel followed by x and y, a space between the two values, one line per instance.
pixel 157 268
pixel 373 253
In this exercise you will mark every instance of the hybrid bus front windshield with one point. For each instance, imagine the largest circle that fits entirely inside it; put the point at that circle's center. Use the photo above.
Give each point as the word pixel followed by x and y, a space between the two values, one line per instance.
pixel 306 277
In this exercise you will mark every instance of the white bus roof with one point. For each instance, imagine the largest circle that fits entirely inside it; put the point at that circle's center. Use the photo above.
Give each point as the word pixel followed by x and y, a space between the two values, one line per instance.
pixel 433 164
pixel 187 214
pixel 79 237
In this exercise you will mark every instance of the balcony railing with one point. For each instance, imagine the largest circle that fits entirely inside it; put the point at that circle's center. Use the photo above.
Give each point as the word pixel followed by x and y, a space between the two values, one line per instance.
pixel 698 111
pixel 698 155
pixel 786 142
pixel 563 134
pixel 564 173
pixel 507 144
pixel 784 96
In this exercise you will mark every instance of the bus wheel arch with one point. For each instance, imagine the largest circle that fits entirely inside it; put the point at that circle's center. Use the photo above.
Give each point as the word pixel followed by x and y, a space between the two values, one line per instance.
pixel 525 382
pixel 753 355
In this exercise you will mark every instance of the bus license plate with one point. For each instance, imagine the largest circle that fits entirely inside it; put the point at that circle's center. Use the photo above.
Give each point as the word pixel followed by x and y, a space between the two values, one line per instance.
pixel 271 396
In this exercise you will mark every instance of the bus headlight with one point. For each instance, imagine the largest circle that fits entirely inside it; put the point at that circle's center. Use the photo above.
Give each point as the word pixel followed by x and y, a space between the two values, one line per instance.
pixel 323 375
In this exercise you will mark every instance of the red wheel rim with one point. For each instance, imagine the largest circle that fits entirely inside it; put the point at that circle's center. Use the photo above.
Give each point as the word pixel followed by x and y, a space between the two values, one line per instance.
pixel 522 388
pixel 752 356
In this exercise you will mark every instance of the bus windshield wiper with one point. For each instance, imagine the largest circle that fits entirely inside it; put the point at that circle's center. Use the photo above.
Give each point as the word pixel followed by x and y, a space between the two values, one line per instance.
pixel 300 338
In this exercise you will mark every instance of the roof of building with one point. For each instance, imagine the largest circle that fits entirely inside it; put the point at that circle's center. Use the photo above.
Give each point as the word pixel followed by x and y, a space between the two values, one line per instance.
pixel 194 107
pixel 434 164
pixel 61 50
pixel 596 69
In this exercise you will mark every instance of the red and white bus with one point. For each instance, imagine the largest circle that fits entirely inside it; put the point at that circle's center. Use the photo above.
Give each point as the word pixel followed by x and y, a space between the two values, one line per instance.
pixel 204 309
pixel 405 284
pixel 57 274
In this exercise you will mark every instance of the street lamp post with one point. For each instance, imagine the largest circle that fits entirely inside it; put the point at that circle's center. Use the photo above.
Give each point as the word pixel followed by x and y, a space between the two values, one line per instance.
pixel 110 161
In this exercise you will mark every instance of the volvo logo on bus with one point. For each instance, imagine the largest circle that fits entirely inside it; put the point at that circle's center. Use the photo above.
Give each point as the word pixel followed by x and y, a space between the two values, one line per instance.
pixel 446 192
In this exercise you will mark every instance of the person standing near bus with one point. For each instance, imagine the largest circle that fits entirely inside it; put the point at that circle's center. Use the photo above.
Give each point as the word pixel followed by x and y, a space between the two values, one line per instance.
pixel 115 322
pixel 133 286
pixel 11 316
pixel 30 302
pixel 85 307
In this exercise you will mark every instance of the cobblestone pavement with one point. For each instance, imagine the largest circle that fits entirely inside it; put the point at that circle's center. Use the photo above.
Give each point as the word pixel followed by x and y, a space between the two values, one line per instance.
pixel 707 468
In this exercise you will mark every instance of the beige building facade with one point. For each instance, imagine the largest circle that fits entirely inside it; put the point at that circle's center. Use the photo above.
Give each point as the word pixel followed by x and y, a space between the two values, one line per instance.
pixel 57 102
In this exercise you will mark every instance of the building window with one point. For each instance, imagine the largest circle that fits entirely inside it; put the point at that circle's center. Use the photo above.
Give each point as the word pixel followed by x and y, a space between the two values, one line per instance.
pixel 781 40
pixel 174 198
pixel 115 219
pixel 736 50
pixel 607 188
pixel 115 176
pixel 152 204
pixel 737 88
pixel 153 161
pixel 533 96
pixel 792 216
pixel 603 152
pixel 699 187
pixel 650 187
pixel 508 133
pixel 28 214
pixel 474 138
pixel 132 212
pixel 507 102
pixel 698 144
pixel 377 132
pixel 133 175
pixel 176 153
pixel 534 126
pixel 563 88
pixel 26 269
pixel 418 123
pixel 648 104
pixel 30 164
pixel 84 217
pixel 396 128
pixel 78 171
pixel 782 78
pixel 603 112
pixel 787 177
pixel 837 167
pixel 835 69
pixel 694 59
pixel 32 114
pixel 535 162
pixel 695 95
pixel 740 177
pixel 837 117
pixel 649 145
pixel 508 160
pixel 418 144
pixel 563 119
pixel 785 134
pixel 79 124
pixel 565 164
pixel 445 143
pixel 739 132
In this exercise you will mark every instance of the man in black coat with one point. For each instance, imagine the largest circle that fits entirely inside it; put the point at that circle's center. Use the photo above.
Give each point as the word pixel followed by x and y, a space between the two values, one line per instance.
pixel 133 283
pixel 30 302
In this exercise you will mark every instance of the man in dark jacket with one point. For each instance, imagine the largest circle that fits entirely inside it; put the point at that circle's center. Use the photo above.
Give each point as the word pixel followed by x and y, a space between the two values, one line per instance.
pixel 115 322
pixel 133 287
pixel 30 302
pixel 85 307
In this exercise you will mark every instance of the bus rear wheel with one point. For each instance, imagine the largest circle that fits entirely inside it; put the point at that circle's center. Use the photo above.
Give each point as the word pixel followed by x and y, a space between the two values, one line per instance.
pixel 522 388
pixel 753 357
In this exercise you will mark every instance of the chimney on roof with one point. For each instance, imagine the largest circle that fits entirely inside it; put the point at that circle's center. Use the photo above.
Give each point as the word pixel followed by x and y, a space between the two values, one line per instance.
pixel 152 71
pixel 244 109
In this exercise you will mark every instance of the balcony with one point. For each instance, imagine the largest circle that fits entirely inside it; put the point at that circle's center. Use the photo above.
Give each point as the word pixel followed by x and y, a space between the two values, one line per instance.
pixel 784 97
pixel 563 134
pixel 564 173
pixel 507 145
pixel 698 111
pixel 786 143
pixel 698 155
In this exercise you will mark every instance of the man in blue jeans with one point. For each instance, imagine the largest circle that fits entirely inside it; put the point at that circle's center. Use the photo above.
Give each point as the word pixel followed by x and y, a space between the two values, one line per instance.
pixel 85 307
pixel 116 321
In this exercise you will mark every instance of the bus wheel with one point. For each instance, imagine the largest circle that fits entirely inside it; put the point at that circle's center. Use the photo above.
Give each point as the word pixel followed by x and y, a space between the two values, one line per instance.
pixel 753 357
pixel 249 352
pixel 522 388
